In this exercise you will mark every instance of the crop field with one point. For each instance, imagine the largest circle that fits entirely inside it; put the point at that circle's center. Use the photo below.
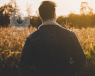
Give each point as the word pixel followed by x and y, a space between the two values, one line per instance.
pixel 12 42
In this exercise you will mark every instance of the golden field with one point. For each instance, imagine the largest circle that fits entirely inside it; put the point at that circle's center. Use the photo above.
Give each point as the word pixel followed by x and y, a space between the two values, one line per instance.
pixel 13 41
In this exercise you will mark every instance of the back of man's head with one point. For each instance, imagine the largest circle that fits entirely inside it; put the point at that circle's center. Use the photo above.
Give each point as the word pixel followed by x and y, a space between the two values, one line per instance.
pixel 47 10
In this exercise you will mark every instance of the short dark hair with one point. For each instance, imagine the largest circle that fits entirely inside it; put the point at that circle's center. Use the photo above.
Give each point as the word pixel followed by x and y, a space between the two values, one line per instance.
pixel 47 10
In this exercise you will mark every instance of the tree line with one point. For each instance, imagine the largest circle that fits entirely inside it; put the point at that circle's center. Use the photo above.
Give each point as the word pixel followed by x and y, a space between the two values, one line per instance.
pixel 85 19
pixel 78 21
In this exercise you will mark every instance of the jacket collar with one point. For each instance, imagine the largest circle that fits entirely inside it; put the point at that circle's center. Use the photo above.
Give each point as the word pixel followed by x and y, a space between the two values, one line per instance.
pixel 49 23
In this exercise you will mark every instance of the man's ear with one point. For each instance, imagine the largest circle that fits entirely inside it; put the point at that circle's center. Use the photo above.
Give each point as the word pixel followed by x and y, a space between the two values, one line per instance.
pixel 54 16
pixel 40 18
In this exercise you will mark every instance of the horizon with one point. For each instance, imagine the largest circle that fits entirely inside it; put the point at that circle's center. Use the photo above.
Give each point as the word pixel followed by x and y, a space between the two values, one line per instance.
pixel 64 7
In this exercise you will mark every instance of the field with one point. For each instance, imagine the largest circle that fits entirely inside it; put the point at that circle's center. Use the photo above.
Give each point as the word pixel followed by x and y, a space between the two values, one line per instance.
pixel 12 42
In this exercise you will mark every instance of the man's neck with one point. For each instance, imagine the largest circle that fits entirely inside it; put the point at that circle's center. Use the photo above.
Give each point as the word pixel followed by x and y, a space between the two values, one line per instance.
pixel 49 20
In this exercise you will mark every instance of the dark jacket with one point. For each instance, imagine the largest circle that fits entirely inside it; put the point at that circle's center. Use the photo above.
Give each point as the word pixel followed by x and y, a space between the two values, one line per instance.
pixel 49 52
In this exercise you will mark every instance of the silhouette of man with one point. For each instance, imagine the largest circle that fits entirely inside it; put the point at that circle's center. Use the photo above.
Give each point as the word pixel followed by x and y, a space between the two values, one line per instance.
pixel 49 50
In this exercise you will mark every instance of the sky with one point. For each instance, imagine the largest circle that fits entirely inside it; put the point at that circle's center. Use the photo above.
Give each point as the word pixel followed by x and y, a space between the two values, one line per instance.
pixel 64 7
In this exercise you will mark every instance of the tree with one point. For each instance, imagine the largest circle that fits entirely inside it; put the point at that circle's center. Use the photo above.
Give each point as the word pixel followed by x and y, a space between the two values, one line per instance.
pixel 85 9
pixel 61 20
pixel 35 21
pixel 5 12
pixel 28 9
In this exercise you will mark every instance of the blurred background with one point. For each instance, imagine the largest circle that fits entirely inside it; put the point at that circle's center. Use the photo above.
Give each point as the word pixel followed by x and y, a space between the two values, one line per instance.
pixel 75 15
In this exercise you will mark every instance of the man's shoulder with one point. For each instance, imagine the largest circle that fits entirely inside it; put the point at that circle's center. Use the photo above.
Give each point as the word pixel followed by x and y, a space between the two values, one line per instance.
pixel 33 34
pixel 67 31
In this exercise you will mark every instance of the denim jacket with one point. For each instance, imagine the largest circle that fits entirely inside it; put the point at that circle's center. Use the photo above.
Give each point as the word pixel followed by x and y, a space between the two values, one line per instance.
pixel 52 51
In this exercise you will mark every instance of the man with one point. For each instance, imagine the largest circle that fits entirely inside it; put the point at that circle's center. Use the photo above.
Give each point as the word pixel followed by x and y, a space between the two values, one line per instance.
pixel 49 50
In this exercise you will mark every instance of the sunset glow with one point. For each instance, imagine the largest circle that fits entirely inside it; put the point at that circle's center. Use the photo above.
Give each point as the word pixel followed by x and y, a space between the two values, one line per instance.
pixel 64 7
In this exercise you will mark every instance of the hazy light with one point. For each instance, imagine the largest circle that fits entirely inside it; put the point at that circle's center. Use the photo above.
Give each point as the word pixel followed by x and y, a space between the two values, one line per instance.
pixel 64 7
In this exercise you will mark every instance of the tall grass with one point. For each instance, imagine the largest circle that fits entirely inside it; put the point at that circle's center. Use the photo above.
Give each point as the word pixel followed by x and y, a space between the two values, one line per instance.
pixel 14 40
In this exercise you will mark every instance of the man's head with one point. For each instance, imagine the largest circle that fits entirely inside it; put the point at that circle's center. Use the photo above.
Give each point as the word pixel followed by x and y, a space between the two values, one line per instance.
pixel 47 10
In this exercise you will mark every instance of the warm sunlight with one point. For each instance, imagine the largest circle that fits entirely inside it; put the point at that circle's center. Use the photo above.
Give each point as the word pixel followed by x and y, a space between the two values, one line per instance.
pixel 64 7
pixel 46 45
